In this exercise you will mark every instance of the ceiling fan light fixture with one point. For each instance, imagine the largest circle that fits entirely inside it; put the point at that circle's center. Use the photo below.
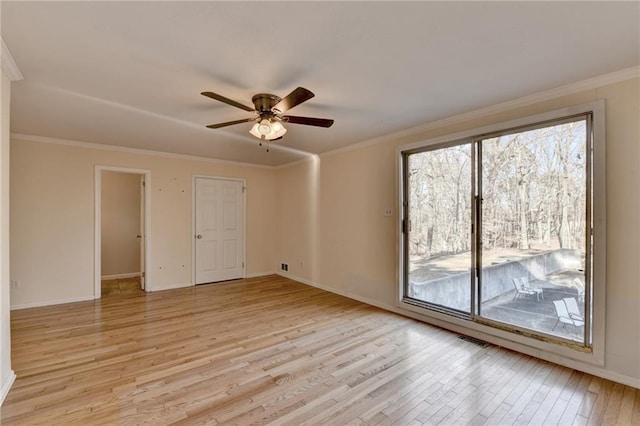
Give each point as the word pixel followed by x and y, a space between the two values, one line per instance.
pixel 264 128
pixel 267 129
pixel 280 132
pixel 254 131
pixel 276 126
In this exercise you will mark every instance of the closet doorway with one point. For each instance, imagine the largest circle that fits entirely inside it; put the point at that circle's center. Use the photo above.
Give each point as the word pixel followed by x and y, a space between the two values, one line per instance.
pixel 121 231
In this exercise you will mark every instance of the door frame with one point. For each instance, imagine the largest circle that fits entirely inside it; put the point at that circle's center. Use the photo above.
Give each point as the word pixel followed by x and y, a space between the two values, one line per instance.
pixel 193 221
pixel 97 262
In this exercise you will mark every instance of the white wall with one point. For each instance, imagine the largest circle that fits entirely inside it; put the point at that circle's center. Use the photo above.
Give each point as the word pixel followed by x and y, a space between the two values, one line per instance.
pixel 120 247
pixel 355 247
pixel 6 373
pixel 52 203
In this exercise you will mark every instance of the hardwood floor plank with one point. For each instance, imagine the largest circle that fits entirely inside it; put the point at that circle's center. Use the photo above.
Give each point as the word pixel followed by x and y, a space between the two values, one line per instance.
pixel 635 417
pixel 270 350
pixel 380 396
pixel 625 414
pixel 511 391
pixel 562 377
pixel 524 392
pixel 597 413
pixel 394 396
pixel 528 413
pixel 575 402
pixel 613 406
pixel 491 384
pixel 560 405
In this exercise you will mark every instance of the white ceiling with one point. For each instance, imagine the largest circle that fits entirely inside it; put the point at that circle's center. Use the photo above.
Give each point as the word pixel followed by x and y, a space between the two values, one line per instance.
pixel 130 73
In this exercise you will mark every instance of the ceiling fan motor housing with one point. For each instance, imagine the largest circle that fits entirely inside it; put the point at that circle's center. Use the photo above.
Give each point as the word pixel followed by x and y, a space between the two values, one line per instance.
pixel 264 103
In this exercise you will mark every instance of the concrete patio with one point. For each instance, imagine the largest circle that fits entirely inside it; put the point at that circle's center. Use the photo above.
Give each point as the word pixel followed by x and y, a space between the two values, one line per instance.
pixel 555 274
pixel 528 312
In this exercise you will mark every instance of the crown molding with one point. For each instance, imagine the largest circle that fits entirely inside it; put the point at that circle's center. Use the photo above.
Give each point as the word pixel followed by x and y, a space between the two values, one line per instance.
pixel 138 151
pixel 9 66
pixel 568 89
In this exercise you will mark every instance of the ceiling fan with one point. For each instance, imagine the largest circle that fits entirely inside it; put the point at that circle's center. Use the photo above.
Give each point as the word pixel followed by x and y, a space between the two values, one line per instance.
pixel 270 109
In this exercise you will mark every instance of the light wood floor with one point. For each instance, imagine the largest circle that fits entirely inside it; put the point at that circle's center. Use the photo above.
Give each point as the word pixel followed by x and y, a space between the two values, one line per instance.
pixel 272 350
pixel 121 286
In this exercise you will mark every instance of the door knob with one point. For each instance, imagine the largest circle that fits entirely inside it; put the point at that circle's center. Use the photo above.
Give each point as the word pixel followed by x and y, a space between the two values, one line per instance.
pixel 199 236
pixel 138 236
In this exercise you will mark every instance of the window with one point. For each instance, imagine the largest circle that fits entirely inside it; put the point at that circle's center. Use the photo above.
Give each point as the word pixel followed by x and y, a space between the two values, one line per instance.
pixel 498 227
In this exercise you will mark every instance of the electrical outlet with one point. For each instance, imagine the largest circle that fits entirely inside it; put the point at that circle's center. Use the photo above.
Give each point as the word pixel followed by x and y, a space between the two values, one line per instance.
pixel 284 266
pixel 388 212
pixel 15 284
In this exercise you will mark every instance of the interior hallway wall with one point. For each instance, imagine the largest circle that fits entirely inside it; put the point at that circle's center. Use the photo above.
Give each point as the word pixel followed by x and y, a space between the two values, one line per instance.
pixel 120 247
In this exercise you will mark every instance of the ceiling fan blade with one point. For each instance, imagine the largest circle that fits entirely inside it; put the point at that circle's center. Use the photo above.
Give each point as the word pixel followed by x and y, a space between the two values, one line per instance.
pixel 227 101
pixel 230 123
pixel 294 98
pixel 309 121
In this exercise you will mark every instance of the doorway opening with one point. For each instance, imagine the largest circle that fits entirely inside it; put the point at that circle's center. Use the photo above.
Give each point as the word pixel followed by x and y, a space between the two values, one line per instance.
pixel 121 231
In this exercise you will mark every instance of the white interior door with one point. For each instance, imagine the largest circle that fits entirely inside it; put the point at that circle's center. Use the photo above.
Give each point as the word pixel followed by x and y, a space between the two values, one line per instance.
pixel 219 230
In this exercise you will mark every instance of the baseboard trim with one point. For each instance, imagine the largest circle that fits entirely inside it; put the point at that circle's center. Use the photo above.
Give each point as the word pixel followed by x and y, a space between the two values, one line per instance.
pixel 171 287
pixel 311 283
pixel 51 302
pixel 6 386
pixel 570 363
pixel 120 276
pixel 343 293
pixel 259 274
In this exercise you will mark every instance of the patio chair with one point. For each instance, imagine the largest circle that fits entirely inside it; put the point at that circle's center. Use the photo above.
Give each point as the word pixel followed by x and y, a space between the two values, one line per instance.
pixel 523 288
pixel 563 315
pixel 572 308
pixel 577 283
pixel 525 282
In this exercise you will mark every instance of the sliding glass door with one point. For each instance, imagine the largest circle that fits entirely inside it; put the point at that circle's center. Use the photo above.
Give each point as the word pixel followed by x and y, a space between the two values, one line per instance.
pixel 439 223
pixel 498 229
pixel 534 227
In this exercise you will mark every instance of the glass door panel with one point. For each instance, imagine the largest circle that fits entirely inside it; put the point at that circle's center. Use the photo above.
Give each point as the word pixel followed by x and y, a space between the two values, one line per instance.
pixel 533 229
pixel 438 193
